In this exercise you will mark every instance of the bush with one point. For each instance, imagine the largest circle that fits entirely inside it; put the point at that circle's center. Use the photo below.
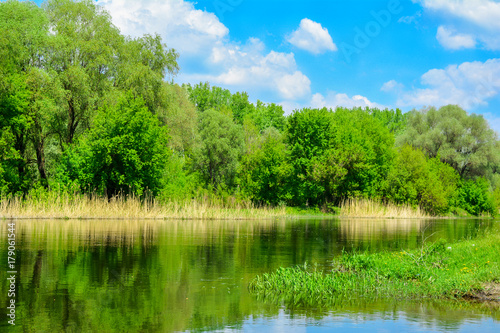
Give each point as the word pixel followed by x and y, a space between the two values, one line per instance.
pixel 475 197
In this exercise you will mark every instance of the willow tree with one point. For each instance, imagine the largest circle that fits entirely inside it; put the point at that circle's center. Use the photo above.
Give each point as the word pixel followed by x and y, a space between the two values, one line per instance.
pixel 466 142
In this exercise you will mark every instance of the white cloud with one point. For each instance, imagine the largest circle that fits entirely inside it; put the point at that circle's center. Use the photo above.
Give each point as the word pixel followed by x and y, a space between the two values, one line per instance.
pixel 478 20
pixel 312 37
pixel 449 39
pixel 470 84
pixel 249 67
pixel 183 27
pixel 334 100
pixel 484 13
pixel 294 86
pixel 199 35
pixel 392 85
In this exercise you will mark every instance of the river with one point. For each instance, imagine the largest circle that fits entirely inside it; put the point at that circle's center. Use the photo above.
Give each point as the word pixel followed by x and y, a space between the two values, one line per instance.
pixel 176 276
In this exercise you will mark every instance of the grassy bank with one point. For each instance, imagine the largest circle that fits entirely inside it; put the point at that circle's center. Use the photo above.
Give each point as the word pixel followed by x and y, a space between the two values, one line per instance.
pixel 467 269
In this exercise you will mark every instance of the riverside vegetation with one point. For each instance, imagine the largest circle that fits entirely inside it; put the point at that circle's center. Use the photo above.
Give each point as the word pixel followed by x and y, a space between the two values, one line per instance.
pixel 467 269
pixel 91 117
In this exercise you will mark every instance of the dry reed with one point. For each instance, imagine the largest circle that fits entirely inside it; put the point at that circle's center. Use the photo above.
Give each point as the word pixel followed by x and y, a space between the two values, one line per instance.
pixel 373 208
pixel 63 205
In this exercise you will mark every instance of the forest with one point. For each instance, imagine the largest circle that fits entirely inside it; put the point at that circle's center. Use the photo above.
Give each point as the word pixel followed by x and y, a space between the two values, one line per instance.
pixel 85 109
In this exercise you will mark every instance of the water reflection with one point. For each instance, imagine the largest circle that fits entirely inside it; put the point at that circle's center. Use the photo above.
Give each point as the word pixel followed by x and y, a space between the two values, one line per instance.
pixel 192 275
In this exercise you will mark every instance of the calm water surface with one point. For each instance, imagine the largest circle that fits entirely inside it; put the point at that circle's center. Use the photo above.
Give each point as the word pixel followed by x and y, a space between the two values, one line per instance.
pixel 163 276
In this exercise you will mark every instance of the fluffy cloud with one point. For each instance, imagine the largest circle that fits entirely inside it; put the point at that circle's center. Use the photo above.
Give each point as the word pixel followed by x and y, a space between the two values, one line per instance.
pixel 479 19
pixel 312 37
pixel 470 84
pixel 484 13
pixel 183 27
pixel 199 35
pixel 334 100
pixel 449 39
pixel 249 67
pixel 391 86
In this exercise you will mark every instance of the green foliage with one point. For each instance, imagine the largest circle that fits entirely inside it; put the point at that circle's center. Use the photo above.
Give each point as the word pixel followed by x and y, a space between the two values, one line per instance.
pixel 126 150
pixel 264 169
pixel 395 121
pixel 336 155
pixel 437 271
pixel 417 181
pixel 178 183
pixel 267 115
pixel 221 146
pixel 475 197
pixel 181 118
pixel 464 141
pixel 14 125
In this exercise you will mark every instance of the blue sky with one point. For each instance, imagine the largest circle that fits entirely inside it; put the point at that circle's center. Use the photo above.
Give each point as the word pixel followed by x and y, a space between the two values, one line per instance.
pixel 390 53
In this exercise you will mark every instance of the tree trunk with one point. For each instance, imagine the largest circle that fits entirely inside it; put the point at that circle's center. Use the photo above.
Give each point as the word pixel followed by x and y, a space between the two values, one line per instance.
pixel 40 160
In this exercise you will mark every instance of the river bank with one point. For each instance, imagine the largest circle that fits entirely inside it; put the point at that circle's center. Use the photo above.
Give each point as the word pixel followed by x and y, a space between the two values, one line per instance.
pixel 462 270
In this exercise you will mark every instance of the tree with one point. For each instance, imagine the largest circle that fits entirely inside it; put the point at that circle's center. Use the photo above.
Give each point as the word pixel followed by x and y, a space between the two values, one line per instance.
pixel 126 149
pixel 464 141
pixel 308 134
pixel 23 47
pixel 264 170
pixel 417 181
pixel 181 118
pixel 14 134
pixel 475 197
pixel 267 115
pixel 221 147
pixel 336 155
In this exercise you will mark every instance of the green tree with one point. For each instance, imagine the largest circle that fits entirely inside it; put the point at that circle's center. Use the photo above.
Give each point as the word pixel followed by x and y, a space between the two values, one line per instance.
pixel 24 39
pixel 14 134
pixel 394 120
pixel 475 197
pixel 308 135
pixel 264 169
pixel 336 155
pixel 417 181
pixel 125 149
pixel 221 146
pixel 267 115
pixel 464 141
pixel 181 118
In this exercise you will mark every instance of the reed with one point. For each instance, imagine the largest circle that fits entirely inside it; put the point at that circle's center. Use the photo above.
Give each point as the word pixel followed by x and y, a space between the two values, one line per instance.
pixel 372 208
pixel 52 204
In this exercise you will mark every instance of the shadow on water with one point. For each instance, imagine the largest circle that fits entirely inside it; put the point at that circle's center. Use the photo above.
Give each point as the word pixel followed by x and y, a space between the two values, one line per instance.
pixel 193 275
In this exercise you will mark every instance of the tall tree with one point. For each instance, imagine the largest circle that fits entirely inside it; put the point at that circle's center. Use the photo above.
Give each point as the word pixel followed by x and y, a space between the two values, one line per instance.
pixel 221 146
pixel 466 142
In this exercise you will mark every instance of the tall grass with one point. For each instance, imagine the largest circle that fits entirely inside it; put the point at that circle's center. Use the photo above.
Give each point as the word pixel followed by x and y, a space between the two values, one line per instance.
pixel 53 204
pixel 373 208
pixel 466 269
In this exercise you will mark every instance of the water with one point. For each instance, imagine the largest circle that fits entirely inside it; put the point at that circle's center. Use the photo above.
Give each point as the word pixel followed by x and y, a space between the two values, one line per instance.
pixel 135 276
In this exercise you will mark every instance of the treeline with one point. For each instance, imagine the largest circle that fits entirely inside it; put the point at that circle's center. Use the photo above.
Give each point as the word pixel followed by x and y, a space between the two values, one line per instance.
pixel 83 108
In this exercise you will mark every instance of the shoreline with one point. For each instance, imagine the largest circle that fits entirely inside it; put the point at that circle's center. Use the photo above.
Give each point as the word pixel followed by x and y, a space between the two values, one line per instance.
pixel 463 270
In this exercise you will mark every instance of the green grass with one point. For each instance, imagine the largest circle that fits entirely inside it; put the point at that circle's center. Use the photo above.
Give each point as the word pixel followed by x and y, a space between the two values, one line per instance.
pixel 467 269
